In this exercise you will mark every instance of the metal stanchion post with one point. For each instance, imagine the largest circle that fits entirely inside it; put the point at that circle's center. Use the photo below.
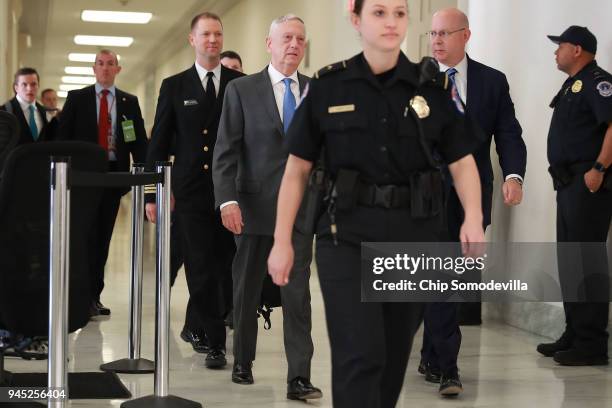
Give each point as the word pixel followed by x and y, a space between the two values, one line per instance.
pixel 58 276
pixel 134 364
pixel 161 399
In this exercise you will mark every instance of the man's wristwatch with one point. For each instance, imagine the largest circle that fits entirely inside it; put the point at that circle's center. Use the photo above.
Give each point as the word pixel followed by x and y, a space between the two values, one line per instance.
pixel 599 167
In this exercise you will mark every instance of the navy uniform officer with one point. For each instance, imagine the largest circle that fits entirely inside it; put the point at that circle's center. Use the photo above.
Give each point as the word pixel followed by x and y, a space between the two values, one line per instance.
pixel 580 155
pixel 359 111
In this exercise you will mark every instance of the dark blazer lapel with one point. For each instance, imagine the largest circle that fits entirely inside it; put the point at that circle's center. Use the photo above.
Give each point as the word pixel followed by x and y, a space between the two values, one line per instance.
pixel 264 87
pixel 303 80
pixel 43 114
pixel 18 112
pixel 225 75
pixel 196 84
pixel 121 111
pixel 474 87
pixel 89 105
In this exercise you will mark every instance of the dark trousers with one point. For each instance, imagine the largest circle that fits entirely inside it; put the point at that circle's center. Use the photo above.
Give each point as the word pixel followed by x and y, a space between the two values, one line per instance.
pixel 583 216
pixel 176 247
pixel 467 312
pixel 249 270
pixel 370 342
pixel 192 322
pixel 441 337
pixel 100 238
pixel 208 249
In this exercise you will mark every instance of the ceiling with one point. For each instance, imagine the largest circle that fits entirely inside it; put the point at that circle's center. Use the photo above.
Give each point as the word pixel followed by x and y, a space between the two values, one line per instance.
pixel 52 25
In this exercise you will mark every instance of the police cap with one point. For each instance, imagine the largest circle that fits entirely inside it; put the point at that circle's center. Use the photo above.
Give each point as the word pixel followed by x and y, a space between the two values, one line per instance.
pixel 578 36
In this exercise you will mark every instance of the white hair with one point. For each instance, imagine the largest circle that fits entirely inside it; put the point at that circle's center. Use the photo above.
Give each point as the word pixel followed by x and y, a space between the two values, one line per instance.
pixel 283 19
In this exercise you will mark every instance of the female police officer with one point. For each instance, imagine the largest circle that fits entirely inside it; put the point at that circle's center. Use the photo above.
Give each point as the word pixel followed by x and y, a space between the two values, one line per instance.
pixel 367 112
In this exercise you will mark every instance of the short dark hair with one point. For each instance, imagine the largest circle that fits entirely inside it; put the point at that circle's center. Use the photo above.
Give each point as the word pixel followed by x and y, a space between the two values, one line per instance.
pixel 230 54
pixel 203 16
pixel 42 94
pixel 25 71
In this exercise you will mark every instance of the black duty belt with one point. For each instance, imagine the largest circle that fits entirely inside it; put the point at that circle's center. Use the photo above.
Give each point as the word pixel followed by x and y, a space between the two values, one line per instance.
pixel 385 196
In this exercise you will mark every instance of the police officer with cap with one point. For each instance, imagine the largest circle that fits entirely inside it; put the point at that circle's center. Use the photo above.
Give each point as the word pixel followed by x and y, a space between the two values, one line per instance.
pixel 580 155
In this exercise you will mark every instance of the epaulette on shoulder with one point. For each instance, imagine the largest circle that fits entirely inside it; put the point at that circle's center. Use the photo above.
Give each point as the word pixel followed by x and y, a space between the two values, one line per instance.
pixel 338 66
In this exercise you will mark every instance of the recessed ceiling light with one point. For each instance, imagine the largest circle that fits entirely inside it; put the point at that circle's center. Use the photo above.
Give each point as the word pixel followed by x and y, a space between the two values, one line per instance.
pixel 70 87
pixel 85 80
pixel 103 40
pixel 62 94
pixel 126 17
pixel 79 70
pixel 81 57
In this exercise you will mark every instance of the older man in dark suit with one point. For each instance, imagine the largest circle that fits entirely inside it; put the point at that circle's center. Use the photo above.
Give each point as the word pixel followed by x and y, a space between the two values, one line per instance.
pixel 249 162
pixel 31 115
pixel 106 115
pixel 187 118
pixel 485 93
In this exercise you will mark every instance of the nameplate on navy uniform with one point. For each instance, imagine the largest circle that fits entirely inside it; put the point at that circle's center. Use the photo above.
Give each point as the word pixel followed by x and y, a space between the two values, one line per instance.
pixel 190 102
pixel 341 108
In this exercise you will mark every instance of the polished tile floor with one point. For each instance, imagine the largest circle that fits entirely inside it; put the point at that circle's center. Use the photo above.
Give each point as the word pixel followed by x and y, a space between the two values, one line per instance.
pixel 499 365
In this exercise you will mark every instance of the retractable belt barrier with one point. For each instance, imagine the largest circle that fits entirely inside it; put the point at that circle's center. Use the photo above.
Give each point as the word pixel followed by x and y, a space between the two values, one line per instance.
pixel 62 179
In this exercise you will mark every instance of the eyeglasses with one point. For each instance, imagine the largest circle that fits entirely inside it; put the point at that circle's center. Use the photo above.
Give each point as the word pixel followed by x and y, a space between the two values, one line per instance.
pixel 442 34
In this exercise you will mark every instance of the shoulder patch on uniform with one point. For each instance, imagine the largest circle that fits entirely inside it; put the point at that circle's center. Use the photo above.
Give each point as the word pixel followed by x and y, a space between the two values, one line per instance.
pixel 604 88
pixel 330 68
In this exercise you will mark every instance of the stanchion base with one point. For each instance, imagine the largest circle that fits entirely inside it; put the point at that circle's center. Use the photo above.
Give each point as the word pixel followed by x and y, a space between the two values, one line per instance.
pixel 129 366
pixel 152 401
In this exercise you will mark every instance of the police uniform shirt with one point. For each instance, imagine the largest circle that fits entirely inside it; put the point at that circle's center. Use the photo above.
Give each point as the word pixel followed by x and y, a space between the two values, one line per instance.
pixel 582 114
pixel 366 124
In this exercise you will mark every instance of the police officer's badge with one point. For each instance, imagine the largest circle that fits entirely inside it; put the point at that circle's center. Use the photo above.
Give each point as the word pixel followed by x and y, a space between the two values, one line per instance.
pixel 605 89
pixel 419 105
pixel 577 86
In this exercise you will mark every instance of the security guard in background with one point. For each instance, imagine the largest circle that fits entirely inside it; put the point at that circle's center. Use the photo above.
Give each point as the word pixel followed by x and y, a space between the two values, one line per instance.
pixel 366 113
pixel 580 155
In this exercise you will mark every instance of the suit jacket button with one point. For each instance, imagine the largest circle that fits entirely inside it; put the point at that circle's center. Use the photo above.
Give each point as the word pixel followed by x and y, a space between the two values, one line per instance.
pixel 205 148
pixel 205 167
pixel 205 132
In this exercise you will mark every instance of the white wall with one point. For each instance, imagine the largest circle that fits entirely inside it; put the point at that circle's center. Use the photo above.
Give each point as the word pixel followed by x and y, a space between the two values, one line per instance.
pixel 511 35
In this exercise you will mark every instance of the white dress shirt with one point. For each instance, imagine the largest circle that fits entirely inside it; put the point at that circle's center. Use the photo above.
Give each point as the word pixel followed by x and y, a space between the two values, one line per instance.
pixel 461 80
pixel 216 76
pixel 278 86
pixel 25 107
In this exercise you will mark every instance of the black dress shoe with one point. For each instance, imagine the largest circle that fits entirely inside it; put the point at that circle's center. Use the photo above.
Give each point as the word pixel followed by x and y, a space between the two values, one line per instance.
pixel 450 386
pixel 422 368
pixel 301 389
pixel 98 309
pixel 199 344
pixel 549 349
pixel 574 357
pixel 216 358
pixel 242 374
pixel 433 375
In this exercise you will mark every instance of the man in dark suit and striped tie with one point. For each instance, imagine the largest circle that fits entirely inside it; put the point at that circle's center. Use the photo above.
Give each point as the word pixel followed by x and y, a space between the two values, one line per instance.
pixel 484 92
